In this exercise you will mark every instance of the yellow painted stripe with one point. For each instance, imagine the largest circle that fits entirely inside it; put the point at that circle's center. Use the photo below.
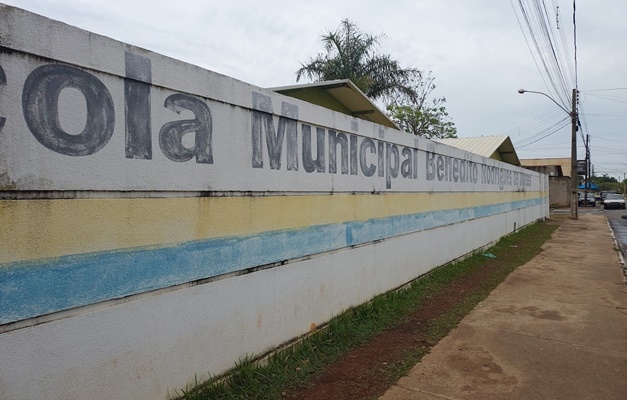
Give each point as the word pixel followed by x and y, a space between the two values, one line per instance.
pixel 34 229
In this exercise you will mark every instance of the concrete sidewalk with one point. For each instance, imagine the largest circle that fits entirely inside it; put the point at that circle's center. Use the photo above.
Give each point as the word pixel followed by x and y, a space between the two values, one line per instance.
pixel 556 328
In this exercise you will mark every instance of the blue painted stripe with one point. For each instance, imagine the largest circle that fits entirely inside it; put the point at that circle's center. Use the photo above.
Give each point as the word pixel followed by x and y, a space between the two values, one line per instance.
pixel 34 288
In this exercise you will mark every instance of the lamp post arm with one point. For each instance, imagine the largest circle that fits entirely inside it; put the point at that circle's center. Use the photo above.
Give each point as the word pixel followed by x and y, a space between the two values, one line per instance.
pixel 573 147
pixel 522 91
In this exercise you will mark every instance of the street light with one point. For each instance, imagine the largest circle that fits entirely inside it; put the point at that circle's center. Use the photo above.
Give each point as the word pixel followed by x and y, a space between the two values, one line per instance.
pixel 523 91
pixel 573 147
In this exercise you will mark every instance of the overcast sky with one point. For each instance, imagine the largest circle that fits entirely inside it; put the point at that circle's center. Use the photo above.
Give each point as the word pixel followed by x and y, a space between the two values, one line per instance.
pixel 475 48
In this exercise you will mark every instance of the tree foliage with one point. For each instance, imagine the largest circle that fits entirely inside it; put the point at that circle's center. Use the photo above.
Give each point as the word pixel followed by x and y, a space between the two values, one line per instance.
pixel 420 116
pixel 352 54
pixel 429 122
pixel 605 178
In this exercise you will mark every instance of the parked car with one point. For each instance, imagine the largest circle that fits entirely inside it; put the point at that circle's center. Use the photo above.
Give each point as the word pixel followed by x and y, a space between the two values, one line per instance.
pixel 586 199
pixel 613 200
pixel 604 194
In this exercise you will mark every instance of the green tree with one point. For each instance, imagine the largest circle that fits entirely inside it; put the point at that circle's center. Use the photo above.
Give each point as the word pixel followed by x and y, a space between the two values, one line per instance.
pixel 605 178
pixel 420 116
pixel 606 183
pixel 352 54
pixel 429 122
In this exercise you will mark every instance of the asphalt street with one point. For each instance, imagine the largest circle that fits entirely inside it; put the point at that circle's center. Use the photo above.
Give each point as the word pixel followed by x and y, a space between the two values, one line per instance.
pixel 619 227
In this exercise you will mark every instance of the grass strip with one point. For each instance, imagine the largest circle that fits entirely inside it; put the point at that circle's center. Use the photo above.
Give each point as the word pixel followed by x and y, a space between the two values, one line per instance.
pixel 294 366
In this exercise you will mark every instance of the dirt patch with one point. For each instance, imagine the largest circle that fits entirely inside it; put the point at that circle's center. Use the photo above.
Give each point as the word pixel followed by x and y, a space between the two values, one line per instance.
pixel 362 373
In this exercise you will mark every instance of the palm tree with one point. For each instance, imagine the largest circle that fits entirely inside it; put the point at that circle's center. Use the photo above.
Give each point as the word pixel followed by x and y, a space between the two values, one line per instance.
pixel 351 54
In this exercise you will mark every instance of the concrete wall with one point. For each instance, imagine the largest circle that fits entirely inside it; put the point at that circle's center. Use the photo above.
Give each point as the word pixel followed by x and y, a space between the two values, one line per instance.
pixel 161 220
pixel 559 191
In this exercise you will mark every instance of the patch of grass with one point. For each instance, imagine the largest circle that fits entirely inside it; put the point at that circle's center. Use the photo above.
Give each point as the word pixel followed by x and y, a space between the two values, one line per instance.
pixel 292 367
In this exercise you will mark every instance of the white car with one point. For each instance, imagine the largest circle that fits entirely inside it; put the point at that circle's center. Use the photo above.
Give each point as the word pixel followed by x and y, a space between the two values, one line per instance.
pixel 613 200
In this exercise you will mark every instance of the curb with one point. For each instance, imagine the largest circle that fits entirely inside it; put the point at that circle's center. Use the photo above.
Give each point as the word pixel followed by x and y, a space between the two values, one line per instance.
pixel 620 252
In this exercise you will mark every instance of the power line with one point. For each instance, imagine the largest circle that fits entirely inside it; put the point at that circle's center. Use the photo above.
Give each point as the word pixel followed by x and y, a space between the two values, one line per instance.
pixel 547 134
pixel 534 124
pixel 603 90
pixel 546 52
pixel 610 140
pixel 620 116
pixel 575 44
pixel 608 97
pixel 566 52
pixel 533 56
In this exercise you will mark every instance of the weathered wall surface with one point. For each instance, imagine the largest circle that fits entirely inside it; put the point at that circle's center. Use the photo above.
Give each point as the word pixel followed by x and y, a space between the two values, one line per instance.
pixel 559 191
pixel 161 220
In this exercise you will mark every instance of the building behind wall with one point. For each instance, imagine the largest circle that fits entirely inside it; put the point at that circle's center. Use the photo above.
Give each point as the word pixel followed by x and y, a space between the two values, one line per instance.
pixel 558 170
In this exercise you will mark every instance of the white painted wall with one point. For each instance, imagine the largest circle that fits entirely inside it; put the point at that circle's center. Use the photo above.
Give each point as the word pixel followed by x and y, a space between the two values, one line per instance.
pixel 143 348
pixel 28 164
pixel 150 343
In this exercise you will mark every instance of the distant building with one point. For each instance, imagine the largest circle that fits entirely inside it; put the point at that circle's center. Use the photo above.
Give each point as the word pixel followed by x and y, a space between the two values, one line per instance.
pixel 558 170
pixel 501 148
pixel 549 166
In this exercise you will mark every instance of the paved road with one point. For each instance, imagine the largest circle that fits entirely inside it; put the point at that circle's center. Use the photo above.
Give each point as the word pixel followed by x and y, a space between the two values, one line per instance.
pixel 619 226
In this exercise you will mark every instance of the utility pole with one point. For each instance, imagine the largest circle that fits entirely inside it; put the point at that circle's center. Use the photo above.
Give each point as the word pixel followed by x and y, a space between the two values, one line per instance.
pixel 587 177
pixel 573 146
pixel 573 158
